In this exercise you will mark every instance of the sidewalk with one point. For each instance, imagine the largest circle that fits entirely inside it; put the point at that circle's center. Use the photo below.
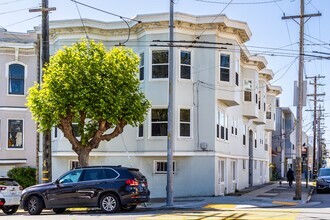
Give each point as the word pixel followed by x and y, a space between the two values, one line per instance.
pixel 268 195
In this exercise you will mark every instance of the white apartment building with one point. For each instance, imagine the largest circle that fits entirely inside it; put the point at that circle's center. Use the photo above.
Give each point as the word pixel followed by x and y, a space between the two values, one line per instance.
pixel 18 71
pixel 224 104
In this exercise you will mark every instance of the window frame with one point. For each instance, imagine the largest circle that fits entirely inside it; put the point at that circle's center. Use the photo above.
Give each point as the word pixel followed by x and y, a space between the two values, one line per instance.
pixel 24 78
pixel 138 131
pixel 142 66
pixel 237 70
pixel 151 65
pixel 150 122
pixel 181 64
pixel 250 90
pixel 23 133
pixel 165 165
pixel 190 122
pixel 223 67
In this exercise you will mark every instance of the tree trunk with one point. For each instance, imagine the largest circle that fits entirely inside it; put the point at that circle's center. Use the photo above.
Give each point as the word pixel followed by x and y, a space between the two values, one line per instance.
pixel 83 156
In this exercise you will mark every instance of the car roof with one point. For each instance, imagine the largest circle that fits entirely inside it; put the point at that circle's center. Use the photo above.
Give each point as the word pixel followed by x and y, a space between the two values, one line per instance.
pixel 116 167
pixel 6 178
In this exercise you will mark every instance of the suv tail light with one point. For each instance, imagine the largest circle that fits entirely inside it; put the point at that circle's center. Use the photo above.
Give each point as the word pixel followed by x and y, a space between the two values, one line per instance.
pixel 132 182
pixel 2 188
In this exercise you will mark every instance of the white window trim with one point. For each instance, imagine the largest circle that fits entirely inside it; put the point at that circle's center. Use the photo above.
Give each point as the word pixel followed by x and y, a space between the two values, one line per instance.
pixel 144 66
pixel 25 77
pixel 191 122
pixel 150 137
pixel 150 65
pixel 23 137
pixel 163 172
pixel 224 171
pixel 230 67
pixel 191 66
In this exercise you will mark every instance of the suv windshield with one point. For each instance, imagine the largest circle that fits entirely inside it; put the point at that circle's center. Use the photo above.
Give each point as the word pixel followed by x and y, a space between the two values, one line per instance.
pixel 324 172
pixel 71 177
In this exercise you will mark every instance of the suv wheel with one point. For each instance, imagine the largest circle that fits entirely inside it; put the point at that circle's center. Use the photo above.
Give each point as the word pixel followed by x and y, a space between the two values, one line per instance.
pixel 128 208
pixel 59 210
pixel 35 205
pixel 109 203
pixel 10 209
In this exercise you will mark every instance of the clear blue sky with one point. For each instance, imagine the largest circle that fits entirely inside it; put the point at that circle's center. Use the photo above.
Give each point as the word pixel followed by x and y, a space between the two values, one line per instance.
pixel 264 19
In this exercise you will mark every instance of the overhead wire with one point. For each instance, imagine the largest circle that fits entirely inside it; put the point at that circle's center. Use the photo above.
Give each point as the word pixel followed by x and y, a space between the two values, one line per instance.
pixel 82 21
pixel 240 3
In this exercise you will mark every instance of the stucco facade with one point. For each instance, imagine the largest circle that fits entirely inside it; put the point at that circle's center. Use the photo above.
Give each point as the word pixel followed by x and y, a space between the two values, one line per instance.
pixel 222 137
pixel 18 71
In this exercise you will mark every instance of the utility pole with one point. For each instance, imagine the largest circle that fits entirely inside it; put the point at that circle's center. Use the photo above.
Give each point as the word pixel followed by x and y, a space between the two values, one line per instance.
pixel 319 138
pixel 315 100
pixel 300 95
pixel 170 133
pixel 46 137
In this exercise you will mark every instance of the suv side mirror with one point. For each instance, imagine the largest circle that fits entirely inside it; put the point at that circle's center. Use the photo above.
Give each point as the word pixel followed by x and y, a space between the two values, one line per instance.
pixel 57 182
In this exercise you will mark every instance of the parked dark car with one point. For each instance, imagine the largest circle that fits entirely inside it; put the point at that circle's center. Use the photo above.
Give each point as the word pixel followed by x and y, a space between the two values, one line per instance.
pixel 106 187
pixel 323 180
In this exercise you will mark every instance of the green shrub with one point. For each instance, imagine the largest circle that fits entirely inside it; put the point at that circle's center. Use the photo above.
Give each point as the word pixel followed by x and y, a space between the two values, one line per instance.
pixel 25 176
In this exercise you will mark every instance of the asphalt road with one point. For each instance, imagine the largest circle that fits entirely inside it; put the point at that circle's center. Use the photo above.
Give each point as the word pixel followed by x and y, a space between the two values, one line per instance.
pixel 317 209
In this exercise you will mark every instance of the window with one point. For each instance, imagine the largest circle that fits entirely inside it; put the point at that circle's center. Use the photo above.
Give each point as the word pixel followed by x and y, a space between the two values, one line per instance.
pixel 185 67
pixel 232 125
pixel 16 79
pixel 217 116
pixel 15 133
pixel 141 67
pixel 161 167
pixel 55 132
pixel 235 126
pixel 233 164
pixel 255 165
pixel 259 101
pixel 224 67
pixel 244 135
pixel 248 90
pixel 237 69
pixel 71 177
pixel 160 64
pixel 255 139
pixel 184 122
pixel 244 164
pixel 159 122
pixel 91 174
pixel 269 111
pixel 109 174
pixel 222 171
pixel 74 164
pixel 226 126
pixel 266 142
pixel 140 130
pixel 75 130
pixel 222 124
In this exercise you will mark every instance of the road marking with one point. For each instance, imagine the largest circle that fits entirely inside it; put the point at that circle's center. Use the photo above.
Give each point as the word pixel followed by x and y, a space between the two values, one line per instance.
pixel 284 203
pixel 248 214
pixel 220 206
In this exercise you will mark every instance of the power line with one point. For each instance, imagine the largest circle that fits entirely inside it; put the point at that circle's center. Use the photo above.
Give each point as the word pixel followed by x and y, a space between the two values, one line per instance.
pixel 22 21
pixel 240 3
pixel 6 3
pixel 18 10
pixel 110 13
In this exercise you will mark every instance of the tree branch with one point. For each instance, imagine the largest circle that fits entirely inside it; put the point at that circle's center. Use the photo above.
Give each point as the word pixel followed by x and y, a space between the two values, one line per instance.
pixel 118 130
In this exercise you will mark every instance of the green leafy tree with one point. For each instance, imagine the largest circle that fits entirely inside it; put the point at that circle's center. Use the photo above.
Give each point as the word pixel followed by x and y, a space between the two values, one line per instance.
pixel 93 88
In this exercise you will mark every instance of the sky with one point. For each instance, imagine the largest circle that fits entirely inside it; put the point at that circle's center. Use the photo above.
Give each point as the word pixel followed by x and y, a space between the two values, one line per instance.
pixel 272 37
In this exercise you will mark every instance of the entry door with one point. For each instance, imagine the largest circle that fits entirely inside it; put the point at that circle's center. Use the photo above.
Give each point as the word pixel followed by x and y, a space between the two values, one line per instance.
pixel 221 181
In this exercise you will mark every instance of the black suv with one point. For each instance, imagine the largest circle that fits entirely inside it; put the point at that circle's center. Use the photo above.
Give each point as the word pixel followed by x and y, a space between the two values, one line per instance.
pixel 106 187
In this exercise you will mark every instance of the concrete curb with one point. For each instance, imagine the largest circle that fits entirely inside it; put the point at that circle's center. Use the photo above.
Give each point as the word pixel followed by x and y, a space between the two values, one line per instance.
pixel 310 193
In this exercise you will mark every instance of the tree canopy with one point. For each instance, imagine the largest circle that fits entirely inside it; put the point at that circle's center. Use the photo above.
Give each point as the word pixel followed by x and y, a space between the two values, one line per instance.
pixel 92 87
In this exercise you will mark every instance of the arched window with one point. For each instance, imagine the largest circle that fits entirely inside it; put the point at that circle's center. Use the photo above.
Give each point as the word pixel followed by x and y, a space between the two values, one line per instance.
pixel 16 79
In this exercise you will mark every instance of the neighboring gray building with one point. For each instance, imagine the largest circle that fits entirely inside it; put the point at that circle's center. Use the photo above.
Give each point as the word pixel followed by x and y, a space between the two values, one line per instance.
pixel 224 104
pixel 18 71
pixel 284 140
